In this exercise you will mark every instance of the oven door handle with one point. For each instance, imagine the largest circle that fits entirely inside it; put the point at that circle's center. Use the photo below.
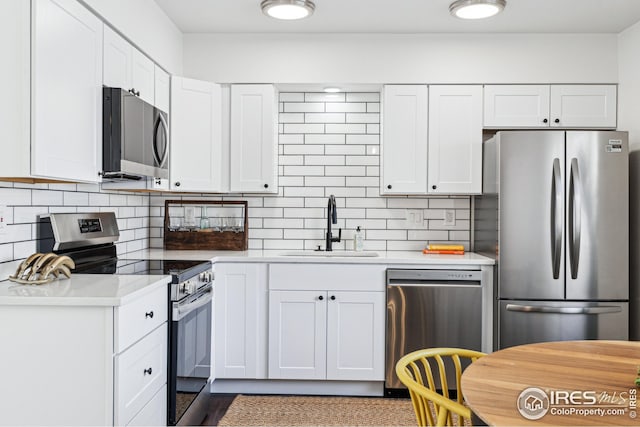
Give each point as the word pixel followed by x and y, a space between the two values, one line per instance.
pixel 183 310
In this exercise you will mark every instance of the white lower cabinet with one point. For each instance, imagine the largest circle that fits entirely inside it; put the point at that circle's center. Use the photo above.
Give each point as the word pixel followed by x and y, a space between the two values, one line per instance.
pixel 326 322
pixel 240 321
pixel 332 335
pixel 72 365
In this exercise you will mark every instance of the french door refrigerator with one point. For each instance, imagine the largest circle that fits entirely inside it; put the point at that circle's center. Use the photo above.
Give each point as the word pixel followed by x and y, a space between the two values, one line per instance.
pixel 562 210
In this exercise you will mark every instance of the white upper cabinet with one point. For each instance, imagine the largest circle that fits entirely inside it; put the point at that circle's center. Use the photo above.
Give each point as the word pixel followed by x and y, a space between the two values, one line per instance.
pixel 142 77
pixel 404 139
pixel 583 106
pixel 118 60
pixel 128 68
pixel 66 110
pixel 542 106
pixel 196 152
pixel 162 90
pixel 455 139
pixel 254 161
pixel 524 106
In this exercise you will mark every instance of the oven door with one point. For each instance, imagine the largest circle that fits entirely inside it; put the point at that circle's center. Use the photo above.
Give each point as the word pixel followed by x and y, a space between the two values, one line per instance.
pixel 189 358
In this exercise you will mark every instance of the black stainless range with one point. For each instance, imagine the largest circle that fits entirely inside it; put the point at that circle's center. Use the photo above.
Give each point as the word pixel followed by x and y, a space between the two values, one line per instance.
pixel 89 240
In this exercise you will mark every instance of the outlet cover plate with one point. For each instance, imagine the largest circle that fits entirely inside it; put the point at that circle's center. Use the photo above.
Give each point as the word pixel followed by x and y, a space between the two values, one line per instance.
pixel 449 217
pixel 414 218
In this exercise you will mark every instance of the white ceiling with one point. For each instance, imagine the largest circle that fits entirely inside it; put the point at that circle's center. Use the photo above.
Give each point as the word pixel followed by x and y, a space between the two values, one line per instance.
pixel 405 16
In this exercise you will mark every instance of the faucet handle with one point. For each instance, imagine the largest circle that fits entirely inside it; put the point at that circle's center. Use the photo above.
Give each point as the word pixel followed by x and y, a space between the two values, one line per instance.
pixel 337 239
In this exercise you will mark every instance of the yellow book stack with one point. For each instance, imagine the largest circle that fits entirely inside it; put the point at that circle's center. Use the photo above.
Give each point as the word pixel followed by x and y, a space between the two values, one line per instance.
pixel 444 249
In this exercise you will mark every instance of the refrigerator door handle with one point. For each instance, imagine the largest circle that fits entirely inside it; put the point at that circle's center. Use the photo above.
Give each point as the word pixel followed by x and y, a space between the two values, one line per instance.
pixel 563 310
pixel 556 218
pixel 575 209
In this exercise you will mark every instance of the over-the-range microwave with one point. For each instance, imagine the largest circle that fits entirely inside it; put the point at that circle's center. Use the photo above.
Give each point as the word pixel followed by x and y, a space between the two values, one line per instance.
pixel 135 137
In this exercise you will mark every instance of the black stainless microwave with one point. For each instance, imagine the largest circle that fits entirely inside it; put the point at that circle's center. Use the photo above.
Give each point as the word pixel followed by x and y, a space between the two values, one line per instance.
pixel 135 138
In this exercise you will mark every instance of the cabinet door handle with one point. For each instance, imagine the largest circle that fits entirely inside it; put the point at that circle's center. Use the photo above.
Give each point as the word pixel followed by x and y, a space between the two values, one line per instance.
pixel 434 186
pixel 333 297
pixel 320 297
pixel 557 121
pixel 266 186
pixel 177 184
pixel 149 314
pixel 545 121
pixel 389 186
pixel 148 371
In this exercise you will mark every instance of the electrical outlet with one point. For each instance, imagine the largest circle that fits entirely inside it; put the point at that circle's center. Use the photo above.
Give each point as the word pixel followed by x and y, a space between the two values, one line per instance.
pixel 3 219
pixel 414 218
pixel 449 217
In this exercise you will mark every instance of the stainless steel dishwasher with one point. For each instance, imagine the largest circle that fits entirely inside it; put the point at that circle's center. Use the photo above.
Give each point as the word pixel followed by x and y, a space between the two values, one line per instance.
pixel 431 308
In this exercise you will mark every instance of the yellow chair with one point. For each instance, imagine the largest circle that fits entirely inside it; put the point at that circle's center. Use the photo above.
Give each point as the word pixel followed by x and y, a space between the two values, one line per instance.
pixel 414 371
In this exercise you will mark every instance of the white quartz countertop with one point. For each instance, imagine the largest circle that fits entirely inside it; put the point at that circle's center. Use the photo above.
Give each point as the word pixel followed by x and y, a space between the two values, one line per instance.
pixel 274 256
pixel 83 290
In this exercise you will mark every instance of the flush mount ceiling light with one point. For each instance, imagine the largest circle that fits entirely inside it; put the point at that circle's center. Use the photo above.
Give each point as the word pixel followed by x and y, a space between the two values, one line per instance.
pixel 288 9
pixel 476 9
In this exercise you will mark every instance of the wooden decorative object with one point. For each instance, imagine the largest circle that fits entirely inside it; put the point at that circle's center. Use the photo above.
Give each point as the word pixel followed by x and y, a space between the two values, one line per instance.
pixel 207 239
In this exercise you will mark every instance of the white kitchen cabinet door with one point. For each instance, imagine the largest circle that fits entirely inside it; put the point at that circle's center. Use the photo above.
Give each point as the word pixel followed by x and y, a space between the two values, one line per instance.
pixel 196 152
pixel 118 60
pixel 297 335
pixel 516 106
pixel 355 336
pixel 455 139
pixel 254 161
pixel 404 139
pixel 583 106
pixel 162 91
pixel 67 91
pixel 240 321
pixel 143 76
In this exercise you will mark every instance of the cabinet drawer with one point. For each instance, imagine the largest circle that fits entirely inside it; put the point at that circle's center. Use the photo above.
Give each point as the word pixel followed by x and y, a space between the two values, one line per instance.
pixel 139 373
pixel 135 320
pixel 154 413
pixel 324 277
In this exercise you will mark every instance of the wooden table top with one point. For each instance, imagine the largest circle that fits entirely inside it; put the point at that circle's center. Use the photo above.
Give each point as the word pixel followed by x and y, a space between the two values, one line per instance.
pixel 600 373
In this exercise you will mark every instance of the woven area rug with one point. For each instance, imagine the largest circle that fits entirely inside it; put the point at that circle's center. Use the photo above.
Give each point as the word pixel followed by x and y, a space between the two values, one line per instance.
pixel 318 411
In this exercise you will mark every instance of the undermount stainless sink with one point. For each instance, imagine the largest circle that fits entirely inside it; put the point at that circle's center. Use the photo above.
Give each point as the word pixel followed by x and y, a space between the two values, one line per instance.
pixel 330 254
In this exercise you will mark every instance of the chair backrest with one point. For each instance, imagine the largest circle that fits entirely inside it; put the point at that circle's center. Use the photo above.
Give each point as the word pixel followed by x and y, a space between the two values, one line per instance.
pixel 416 371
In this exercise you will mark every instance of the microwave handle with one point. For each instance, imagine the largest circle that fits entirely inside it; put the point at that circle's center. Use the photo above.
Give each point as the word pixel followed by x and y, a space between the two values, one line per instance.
pixel 160 157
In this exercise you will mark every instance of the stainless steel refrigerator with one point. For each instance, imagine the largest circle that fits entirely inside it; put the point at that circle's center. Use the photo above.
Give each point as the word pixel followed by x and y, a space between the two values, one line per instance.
pixel 555 214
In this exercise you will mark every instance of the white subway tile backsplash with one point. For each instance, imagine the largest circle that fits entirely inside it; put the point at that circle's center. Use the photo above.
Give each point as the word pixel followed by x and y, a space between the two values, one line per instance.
pixel 363 139
pixel 345 149
pixel 6 253
pixel 304 128
pixel 304 192
pixel 386 234
pixel 345 171
pixel 363 118
pixel 291 139
pixel 324 160
pixel 283 223
pixel 373 107
pixel 348 107
pixel 324 118
pixel 303 149
pixel 283 202
pixel 425 235
pixel 346 192
pixel 291 117
pixel 363 97
pixel 324 139
pixel 324 97
pixel 348 128
pixel 324 181
pixel 283 244
pixel 304 213
pixel 373 128
pixel 43 198
pixel 27 214
pixel 266 233
pixel 363 160
pixel 291 97
pixel 304 170
pixel 450 203
pixel 291 160
pixel 296 107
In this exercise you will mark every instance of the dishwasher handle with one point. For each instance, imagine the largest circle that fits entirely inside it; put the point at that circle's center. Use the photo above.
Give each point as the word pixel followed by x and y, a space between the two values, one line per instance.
pixel 436 284
pixel 404 276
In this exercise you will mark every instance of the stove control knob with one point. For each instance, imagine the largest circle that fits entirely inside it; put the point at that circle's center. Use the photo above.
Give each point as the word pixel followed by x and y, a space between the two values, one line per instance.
pixel 203 277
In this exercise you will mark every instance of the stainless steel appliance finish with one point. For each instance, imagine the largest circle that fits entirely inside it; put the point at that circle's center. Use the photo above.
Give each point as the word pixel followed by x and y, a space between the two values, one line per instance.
pixel 189 362
pixel 135 137
pixel 431 308
pixel 562 233
pixel 634 246
pixel 64 231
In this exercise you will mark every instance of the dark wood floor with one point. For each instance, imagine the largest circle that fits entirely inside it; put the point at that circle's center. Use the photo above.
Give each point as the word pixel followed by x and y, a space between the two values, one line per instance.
pixel 218 405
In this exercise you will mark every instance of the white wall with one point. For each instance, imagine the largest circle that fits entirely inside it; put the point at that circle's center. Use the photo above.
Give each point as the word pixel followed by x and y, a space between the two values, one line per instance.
pixel 144 23
pixel 629 80
pixel 402 58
